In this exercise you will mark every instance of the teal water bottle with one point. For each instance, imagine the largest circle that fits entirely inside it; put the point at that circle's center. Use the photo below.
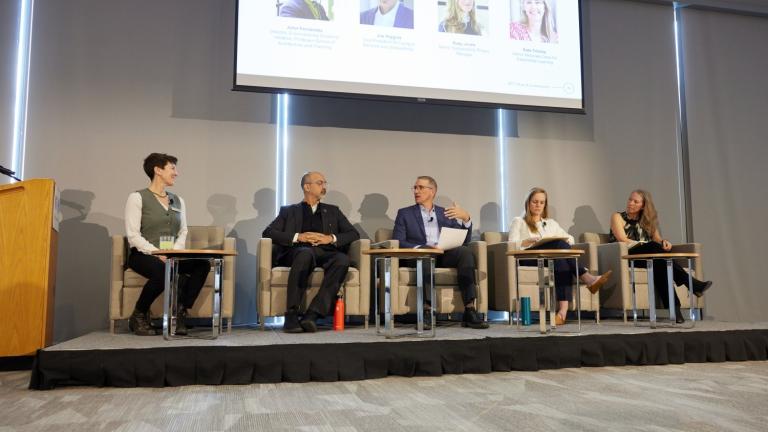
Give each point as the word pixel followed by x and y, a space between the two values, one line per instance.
pixel 525 310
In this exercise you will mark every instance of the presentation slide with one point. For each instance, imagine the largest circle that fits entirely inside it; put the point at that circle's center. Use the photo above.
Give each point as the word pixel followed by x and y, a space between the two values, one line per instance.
pixel 514 53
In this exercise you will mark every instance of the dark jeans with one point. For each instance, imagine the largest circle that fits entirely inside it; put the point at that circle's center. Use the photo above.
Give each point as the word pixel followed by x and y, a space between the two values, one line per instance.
pixel 192 275
pixel 564 269
pixel 463 261
pixel 303 260
pixel 679 275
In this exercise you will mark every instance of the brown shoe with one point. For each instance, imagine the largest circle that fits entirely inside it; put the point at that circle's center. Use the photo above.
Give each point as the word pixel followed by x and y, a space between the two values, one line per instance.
pixel 559 320
pixel 595 287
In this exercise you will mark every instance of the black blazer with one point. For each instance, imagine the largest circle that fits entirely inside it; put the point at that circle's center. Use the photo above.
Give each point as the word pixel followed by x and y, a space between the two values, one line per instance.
pixel 288 223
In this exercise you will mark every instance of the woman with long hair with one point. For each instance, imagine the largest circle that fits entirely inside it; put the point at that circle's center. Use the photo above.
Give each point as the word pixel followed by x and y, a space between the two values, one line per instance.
pixel 638 225
pixel 461 18
pixel 535 225
pixel 537 23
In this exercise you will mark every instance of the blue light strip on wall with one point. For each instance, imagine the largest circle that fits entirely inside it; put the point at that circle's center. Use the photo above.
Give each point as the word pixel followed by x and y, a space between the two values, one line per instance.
pixel 22 86
pixel 281 142
pixel 278 148
pixel 683 163
pixel 501 145
pixel 286 122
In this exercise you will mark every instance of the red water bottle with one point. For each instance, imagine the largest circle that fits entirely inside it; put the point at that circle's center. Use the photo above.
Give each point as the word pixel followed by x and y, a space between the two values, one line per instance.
pixel 338 315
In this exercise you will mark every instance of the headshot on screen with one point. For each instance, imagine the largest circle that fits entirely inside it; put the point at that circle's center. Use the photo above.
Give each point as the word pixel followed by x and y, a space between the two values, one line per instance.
pixel 468 17
pixel 533 20
pixel 387 13
pixel 306 9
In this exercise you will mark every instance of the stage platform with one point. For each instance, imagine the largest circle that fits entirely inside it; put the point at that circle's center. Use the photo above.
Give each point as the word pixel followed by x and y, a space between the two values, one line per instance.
pixel 250 355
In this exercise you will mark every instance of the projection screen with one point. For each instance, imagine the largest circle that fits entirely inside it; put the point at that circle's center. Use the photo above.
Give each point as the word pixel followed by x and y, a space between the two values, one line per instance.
pixel 523 54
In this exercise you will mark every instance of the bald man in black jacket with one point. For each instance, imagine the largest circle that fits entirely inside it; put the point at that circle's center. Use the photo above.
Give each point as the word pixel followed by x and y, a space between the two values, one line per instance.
pixel 307 235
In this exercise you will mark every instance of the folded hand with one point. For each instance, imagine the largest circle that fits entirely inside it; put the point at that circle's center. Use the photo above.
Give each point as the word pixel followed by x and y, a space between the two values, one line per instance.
pixel 315 238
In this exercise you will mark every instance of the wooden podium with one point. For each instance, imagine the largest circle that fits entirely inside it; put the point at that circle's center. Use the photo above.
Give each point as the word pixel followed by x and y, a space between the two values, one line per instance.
pixel 28 243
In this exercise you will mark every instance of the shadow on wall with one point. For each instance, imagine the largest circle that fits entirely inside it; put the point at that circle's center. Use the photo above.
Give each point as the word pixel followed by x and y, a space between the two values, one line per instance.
pixel 373 215
pixel 247 234
pixel 490 218
pixel 82 279
pixel 340 200
pixel 223 210
pixel 553 212
pixel 585 220
pixel 373 212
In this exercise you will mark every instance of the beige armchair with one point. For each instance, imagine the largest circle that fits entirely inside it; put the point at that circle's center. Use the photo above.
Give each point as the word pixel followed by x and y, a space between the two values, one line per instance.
pixel 126 284
pixel 272 288
pixel 447 291
pixel 502 287
pixel 617 292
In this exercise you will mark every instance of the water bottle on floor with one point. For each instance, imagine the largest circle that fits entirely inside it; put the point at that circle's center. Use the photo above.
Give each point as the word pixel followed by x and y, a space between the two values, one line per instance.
pixel 525 309
pixel 338 315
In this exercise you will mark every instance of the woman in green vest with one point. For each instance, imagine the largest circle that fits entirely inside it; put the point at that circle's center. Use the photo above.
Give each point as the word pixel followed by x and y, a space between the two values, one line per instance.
pixel 150 214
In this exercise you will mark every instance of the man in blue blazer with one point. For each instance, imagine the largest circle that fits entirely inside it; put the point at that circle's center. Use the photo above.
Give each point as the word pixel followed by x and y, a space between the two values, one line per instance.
pixel 306 9
pixel 307 235
pixel 389 13
pixel 419 226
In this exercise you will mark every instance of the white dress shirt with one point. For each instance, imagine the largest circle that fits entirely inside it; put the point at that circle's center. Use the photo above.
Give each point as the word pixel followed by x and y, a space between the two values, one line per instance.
pixel 431 227
pixel 133 225
pixel 519 230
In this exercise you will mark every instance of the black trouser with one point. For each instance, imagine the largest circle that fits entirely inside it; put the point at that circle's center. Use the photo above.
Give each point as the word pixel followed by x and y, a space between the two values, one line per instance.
pixel 192 275
pixel 303 260
pixel 463 260
pixel 679 275
pixel 565 269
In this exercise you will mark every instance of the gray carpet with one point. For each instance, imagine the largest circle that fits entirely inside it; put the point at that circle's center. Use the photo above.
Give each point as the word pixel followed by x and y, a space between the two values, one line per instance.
pixel 274 336
pixel 691 397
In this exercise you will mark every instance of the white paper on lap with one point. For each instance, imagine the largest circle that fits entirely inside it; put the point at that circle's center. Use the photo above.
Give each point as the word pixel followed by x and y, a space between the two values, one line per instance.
pixel 451 238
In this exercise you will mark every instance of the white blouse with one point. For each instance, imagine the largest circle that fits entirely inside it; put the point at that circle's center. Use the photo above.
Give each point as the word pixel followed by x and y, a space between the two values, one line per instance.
pixel 519 230
pixel 133 225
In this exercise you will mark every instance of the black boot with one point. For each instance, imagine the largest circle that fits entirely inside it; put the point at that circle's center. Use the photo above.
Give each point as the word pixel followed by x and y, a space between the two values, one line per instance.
pixel 473 320
pixel 139 324
pixel 700 286
pixel 291 324
pixel 181 322
pixel 308 323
